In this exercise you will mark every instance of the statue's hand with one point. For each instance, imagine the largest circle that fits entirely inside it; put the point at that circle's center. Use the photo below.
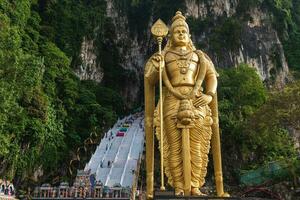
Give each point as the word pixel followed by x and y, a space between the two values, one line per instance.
pixel 179 95
pixel 202 100
pixel 158 60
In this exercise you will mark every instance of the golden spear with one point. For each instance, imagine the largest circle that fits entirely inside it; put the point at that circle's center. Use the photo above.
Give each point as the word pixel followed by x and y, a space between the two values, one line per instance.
pixel 159 30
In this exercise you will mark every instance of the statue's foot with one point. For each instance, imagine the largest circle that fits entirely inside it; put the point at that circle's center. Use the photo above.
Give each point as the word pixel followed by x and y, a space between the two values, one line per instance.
pixel 225 194
pixel 196 192
pixel 179 192
pixel 149 197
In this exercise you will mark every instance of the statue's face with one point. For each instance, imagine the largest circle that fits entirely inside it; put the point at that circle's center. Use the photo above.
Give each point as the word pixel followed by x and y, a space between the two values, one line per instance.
pixel 180 36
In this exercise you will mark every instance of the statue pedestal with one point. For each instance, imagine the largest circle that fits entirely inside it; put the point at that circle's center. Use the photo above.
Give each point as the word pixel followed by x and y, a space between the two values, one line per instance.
pixel 170 195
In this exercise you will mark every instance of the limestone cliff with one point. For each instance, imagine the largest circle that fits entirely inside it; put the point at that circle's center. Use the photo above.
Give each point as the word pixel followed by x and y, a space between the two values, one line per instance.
pixel 259 45
pixel 89 68
pixel 254 41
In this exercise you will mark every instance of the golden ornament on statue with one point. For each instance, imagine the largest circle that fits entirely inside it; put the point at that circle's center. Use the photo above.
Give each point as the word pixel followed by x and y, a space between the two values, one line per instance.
pixel 159 29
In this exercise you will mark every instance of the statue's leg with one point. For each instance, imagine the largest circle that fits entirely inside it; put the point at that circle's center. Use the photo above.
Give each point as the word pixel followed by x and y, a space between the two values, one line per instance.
pixel 200 145
pixel 195 142
pixel 174 158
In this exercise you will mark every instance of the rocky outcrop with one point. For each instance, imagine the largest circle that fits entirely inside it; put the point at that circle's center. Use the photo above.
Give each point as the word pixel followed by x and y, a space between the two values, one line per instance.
pixel 260 46
pixel 213 8
pixel 295 134
pixel 132 52
pixel 89 69
pixel 272 64
pixel 262 49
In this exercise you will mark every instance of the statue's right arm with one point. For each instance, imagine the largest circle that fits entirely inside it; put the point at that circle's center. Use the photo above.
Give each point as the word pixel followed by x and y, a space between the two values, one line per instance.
pixel 151 72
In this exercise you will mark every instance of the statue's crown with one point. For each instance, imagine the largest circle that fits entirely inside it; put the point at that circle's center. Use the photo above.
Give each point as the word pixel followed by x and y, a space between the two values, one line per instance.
pixel 179 20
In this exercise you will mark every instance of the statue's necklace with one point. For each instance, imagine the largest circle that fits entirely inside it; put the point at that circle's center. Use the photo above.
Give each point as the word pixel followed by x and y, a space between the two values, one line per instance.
pixel 184 62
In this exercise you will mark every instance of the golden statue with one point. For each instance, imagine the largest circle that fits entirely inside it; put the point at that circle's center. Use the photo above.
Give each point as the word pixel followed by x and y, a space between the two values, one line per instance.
pixel 189 112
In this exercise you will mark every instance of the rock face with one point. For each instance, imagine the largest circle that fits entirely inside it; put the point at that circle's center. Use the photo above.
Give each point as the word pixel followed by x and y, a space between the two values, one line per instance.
pixel 89 68
pixel 295 134
pixel 214 8
pixel 262 50
pixel 132 52
pixel 258 45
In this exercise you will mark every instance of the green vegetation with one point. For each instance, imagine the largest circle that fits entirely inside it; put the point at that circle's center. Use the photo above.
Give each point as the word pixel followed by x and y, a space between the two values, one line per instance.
pixel 272 122
pixel 46 111
pixel 255 124
pixel 165 9
pixel 140 12
pixel 244 6
pixel 226 37
pixel 67 22
pixel 241 93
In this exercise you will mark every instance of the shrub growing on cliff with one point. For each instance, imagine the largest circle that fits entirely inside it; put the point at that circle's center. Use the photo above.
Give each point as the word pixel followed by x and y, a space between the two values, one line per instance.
pixel 254 127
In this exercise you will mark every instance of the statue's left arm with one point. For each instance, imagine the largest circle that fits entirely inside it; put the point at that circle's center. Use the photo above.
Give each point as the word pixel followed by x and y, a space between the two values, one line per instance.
pixel 210 77
pixel 207 73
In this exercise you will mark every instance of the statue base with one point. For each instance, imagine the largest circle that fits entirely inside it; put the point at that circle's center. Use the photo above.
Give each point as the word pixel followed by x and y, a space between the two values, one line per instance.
pixel 170 195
